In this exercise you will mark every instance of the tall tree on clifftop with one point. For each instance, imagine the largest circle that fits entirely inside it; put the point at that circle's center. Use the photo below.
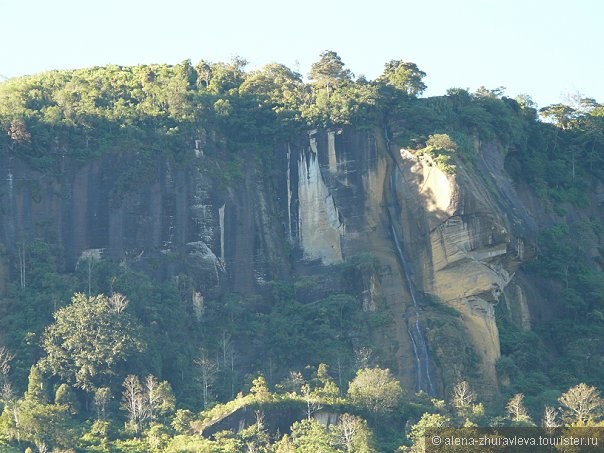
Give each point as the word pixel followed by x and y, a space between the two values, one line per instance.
pixel 329 71
pixel 404 76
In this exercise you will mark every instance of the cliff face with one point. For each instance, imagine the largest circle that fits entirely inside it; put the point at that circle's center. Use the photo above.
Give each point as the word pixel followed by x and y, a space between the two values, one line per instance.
pixel 468 233
pixel 437 240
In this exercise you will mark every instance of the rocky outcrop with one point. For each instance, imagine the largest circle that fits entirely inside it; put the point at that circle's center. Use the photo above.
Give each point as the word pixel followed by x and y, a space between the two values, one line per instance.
pixel 275 417
pixel 465 250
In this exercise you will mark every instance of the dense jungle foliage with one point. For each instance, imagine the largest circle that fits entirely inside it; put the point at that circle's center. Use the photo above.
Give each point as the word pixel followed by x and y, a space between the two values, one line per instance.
pixel 104 358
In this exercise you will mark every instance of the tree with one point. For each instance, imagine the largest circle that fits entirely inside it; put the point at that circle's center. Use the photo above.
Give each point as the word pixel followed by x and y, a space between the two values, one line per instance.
pixel 159 397
pixel 64 396
pixel 376 390
pixel 274 84
pixel 550 418
pixel 517 410
pixel 5 360
pixel 45 425
pixel 133 401
pixel 462 400
pixel 441 142
pixel 157 437
pixel 186 71
pixel 293 383
pixel 6 388
pixel 102 396
pixel 88 340
pixel 18 133
pixel 527 104
pixel 204 72
pixel 362 356
pixel 35 386
pixel 208 371
pixel 329 71
pixel 442 149
pixel 484 92
pixel 118 302
pixel 176 91
pixel 225 77
pixel 34 420
pixel 427 420
pixel 582 402
pixel 312 400
pixel 285 445
pixel 145 402
pixel 260 389
pixel 182 421
pixel 562 115
pixel 462 396
pixel 256 438
pixel 404 76
pixel 328 390
pixel 308 436
pixel 348 426
pixel 353 434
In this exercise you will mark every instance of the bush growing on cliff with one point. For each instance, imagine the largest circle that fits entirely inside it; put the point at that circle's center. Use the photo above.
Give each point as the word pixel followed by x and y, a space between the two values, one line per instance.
pixel 442 149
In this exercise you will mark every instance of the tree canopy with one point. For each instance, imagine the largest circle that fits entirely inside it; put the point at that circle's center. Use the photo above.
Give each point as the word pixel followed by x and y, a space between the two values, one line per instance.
pixel 329 70
pixel 376 390
pixel 404 76
pixel 89 340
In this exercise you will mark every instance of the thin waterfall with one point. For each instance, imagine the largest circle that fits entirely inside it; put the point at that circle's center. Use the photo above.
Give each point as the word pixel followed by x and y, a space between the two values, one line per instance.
pixel 221 225
pixel 418 363
pixel 10 184
pixel 289 193
pixel 331 151
pixel 418 340
pixel 12 208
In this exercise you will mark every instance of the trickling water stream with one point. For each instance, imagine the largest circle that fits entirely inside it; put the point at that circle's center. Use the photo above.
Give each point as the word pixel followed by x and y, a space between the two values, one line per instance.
pixel 418 364
pixel 289 194
pixel 11 202
pixel 418 340
pixel 10 184
pixel 221 225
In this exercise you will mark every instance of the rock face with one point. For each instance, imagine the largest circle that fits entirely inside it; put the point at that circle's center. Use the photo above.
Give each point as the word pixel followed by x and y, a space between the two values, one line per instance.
pixel 460 240
pixel 332 196
pixel 465 249
pixel 320 229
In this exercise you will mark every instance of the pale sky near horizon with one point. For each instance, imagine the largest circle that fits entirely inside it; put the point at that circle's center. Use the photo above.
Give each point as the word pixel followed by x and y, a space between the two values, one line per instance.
pixel 545 48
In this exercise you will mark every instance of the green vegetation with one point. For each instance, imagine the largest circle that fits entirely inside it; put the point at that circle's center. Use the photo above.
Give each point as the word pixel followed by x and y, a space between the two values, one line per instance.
pixel 442 149
pixel 100 355
pixel 88 340
pixel 137 363
pixel 563 347
pixel 151 422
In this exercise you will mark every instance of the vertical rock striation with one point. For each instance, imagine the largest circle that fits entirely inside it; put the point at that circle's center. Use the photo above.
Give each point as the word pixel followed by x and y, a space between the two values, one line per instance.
pixel 333 196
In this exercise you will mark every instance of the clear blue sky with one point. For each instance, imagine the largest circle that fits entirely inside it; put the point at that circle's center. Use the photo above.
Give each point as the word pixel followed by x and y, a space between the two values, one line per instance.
pixel 545 48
